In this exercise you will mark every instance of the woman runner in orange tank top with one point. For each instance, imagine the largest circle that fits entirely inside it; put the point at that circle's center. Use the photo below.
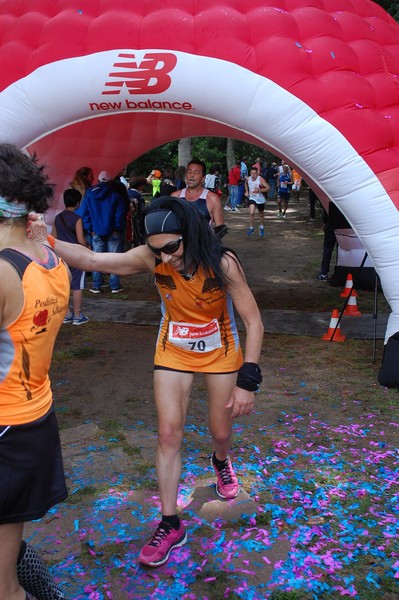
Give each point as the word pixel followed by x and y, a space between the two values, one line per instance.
pixel 200 283
pixel 32 308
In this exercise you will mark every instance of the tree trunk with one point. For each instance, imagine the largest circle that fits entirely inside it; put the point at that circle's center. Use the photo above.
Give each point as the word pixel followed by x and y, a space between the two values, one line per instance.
pixel 184 151
pixel 230 154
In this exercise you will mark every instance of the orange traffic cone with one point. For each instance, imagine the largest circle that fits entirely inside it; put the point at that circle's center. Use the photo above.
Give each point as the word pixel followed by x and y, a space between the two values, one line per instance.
pixel 351 308
pixel 330 335
pixel 348 287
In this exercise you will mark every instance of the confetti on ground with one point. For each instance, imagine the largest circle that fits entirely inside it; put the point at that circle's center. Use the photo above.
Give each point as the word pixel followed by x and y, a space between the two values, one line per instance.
pixel 318 514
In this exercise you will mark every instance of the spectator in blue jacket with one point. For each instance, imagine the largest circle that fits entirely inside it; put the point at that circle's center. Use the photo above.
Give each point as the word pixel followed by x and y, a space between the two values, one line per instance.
pixel 103 212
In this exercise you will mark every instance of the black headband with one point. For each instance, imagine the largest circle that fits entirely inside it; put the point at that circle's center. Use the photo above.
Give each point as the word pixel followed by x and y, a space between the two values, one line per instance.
pixel 162 221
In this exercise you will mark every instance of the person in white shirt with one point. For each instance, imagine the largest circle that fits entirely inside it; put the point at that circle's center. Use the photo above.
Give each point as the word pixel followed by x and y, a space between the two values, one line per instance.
pixel 255 189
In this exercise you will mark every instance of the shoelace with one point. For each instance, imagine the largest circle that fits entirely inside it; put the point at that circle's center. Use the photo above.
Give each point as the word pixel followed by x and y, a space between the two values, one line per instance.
pixel 225 474
pixel 159 535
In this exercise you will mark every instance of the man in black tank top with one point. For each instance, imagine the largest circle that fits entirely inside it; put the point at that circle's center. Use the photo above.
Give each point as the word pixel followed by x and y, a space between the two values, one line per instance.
pixel 208 203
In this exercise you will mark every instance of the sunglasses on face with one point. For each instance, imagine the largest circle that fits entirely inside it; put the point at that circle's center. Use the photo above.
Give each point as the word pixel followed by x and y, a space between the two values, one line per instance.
pixel 170 248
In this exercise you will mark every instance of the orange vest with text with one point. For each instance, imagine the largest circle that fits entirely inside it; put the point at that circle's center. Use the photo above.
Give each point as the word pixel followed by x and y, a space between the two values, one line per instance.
pixel 26 345
pixel 198 331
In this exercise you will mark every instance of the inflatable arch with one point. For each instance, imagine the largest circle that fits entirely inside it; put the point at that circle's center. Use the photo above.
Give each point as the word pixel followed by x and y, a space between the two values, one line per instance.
pixel 98 82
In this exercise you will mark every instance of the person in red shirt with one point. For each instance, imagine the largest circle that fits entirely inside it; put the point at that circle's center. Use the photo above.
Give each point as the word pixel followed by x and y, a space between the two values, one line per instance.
pixel 233 180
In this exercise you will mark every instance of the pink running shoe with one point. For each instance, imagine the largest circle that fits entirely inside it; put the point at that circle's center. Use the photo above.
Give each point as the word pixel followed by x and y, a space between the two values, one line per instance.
pixel 157 550
pixel 227 484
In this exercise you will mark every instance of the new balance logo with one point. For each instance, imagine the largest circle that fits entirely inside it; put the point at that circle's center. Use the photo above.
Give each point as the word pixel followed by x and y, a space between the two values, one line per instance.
pixel 149 76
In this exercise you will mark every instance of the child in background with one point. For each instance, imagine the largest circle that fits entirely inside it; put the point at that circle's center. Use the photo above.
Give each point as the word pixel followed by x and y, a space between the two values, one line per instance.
pixel 68 227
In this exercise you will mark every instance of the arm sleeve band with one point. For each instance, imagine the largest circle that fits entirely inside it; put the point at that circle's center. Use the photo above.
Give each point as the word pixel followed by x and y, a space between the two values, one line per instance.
pixel 249 377
pixel 220 231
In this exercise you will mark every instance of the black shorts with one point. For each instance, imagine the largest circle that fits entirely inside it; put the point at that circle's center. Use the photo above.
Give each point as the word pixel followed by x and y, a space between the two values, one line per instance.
pixel 259 205
pixel 160 368
pixel 285 196
pixel 31 470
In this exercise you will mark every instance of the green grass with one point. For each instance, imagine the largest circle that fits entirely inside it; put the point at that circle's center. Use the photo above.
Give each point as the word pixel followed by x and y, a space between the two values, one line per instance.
pixel 82 493
pixel 67 416
pixel 111 426
pixel 63 354
pixel 215 585
pixel 105 552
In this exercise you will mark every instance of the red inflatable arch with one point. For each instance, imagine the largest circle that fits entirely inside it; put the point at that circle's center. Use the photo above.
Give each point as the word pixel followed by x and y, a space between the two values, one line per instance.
pixel 98 83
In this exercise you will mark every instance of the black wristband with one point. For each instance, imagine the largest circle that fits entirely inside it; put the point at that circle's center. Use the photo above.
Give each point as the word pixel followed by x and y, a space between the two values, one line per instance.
pixel 220 231
pixel 249 377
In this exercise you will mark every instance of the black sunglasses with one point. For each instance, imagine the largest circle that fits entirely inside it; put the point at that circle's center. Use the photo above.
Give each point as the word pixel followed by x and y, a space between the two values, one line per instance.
pixel 170 248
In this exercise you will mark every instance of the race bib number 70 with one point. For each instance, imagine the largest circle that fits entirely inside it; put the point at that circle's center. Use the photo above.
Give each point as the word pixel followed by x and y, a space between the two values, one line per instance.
pixel 195 338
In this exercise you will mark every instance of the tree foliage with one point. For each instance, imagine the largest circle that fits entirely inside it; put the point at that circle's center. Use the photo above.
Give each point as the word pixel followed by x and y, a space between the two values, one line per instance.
pixel 391 6
pixel 212 150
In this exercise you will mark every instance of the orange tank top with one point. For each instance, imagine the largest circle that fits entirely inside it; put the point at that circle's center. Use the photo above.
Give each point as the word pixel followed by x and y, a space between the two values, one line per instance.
pixel 27 343
pixel 198 331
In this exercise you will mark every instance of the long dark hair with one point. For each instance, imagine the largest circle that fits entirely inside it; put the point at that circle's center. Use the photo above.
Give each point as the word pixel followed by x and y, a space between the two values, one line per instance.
pixel 202 247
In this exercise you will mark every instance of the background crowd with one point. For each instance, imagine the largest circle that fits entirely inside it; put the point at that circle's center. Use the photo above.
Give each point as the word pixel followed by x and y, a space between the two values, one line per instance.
pixel 105 212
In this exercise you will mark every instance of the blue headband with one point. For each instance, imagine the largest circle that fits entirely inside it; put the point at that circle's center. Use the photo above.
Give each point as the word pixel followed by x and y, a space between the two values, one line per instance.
pixel 13 209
